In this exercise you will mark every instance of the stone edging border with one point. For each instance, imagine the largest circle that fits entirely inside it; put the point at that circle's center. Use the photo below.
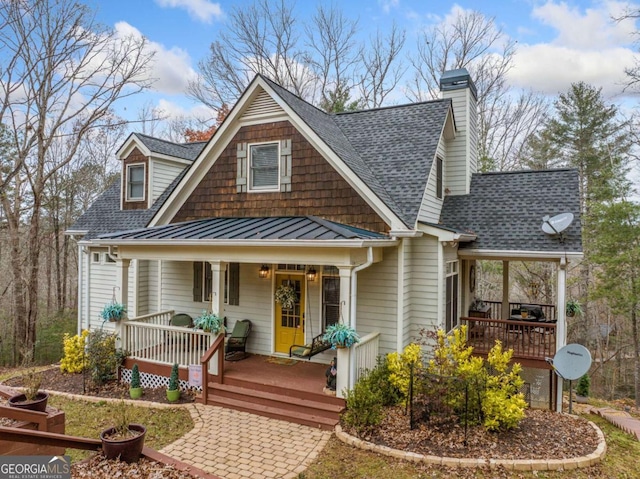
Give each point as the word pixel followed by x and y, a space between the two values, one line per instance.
pixel 509 464
pixel 132 402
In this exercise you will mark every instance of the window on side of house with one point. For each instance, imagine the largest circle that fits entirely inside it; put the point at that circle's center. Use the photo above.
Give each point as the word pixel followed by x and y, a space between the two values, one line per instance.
pixel 95 258
pixel 452 288
pixel 135 182
pixel 203 283
pixel 264 171
pixel 439 185
pixel 330 297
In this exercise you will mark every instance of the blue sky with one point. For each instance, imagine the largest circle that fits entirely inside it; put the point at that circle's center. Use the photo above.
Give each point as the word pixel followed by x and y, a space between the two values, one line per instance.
pixel 558 42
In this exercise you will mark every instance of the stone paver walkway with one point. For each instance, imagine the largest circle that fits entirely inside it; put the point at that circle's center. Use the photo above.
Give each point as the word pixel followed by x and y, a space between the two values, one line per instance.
pixel 238 445
pixel 621 419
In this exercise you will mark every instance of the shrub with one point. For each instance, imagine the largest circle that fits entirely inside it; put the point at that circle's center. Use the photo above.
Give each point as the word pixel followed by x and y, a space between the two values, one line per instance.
pixel 173 379
pixel 364 406
pixel 135 376
pixel 584 386
pixel 102 358
pixel 502 404
pixel 73 360
pixel 399 366
pixel 379 378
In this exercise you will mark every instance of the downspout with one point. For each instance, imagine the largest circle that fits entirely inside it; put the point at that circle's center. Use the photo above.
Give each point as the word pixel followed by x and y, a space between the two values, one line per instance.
pixel 352 314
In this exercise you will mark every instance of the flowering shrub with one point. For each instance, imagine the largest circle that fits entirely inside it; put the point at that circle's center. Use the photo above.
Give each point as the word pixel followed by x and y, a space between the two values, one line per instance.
pixel 399 367
pixel 73 346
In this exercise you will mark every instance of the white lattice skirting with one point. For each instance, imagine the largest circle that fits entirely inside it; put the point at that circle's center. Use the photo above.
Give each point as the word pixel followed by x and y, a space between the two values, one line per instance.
pixel 153 381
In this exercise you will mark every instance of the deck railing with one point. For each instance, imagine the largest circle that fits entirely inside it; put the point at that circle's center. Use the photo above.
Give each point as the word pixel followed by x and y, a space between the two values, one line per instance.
pixel 150 338
pixel 529 339
pixel 495 308
pixel 366 352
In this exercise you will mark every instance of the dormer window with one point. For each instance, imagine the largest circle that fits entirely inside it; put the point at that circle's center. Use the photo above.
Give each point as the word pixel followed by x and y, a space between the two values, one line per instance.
pixel 264 171
pixel 135 182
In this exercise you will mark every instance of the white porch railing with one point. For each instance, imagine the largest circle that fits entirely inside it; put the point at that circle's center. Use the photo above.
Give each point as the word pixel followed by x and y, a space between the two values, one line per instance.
pixel 150 338
pixel 366 352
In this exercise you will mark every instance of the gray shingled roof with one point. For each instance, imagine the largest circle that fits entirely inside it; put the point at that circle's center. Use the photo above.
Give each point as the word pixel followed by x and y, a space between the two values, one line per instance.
pixel 186 151
pixel 263 228
pixel 399 145
pixel 505 210
pixel 105 215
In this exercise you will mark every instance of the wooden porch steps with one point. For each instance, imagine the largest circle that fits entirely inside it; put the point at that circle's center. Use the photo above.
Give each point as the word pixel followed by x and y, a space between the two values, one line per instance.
pixel 301 407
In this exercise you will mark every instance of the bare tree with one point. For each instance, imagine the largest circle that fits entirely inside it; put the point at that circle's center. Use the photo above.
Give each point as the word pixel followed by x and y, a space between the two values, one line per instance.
pixel 334 55
pixel 475 42
pixel 262 38
pixel 382 67
pixel 61 73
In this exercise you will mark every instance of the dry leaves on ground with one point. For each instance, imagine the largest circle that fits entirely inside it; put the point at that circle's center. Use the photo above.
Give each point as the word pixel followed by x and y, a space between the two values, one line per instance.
pixel 97 467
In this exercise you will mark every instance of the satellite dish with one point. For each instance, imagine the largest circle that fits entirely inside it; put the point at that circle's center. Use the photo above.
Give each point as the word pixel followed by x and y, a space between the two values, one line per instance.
pixel 572 361
pixel 556 224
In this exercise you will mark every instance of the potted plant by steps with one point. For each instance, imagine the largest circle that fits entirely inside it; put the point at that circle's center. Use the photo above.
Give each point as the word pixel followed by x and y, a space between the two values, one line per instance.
pixel 173 391
pixel 32 398
pixel 341 336
pixel 125 439
pixel 582 389
pixel 135 390
pixel 113 311
pixel 209 323
pixel 573 308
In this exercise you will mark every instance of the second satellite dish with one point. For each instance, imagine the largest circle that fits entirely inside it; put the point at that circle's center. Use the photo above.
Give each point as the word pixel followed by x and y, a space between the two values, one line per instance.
pixel 572 361
pixel 556 224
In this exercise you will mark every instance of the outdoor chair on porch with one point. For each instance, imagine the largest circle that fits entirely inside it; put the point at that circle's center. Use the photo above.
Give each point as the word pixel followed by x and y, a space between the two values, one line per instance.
pixel 307 351
pixel 181 320
pixel 236 347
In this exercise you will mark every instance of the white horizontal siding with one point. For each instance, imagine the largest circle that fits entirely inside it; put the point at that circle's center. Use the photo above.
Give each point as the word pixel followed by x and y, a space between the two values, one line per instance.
pixel 431 206
pixel 458 167
pixel 143 288
pixel 425 285
pixel 163 174
pixel 406 292
pixel 152 287
pixel 377 307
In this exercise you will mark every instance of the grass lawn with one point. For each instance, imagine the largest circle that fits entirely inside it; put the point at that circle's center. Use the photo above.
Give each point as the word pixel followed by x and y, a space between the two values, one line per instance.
pixel 89 419
pixel 347 462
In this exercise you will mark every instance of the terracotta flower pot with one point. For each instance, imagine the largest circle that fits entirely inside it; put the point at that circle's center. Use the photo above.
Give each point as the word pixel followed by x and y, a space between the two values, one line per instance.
pixel 127 450
pixel 38 404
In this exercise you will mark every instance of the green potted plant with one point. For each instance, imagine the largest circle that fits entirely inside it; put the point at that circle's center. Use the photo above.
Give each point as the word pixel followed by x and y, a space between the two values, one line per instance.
pixel 173 391
pixel 209 322
pixel 125 439
pixel 286 296
pixel 113 311
pixel 582 389
pixel 573 308
pixel 32 398
pixel 341 336
pixel 135 390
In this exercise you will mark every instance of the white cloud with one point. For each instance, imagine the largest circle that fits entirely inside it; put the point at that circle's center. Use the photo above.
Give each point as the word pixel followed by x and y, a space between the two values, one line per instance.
pixel 588 45
pixel 202 10
pixel 171 69
pixel 173 110
pixel 387 5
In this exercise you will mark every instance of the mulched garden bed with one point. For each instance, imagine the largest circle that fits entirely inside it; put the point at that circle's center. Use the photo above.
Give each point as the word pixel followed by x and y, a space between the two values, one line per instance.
pixel 98 467
pixel 542 434
pixel 55 380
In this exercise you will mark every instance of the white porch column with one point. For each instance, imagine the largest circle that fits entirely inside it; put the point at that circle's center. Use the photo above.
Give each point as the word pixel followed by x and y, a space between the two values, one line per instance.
pixel 506 312
pixel 561 325
pixel 343 380
pixel 121 293
pixel 217 287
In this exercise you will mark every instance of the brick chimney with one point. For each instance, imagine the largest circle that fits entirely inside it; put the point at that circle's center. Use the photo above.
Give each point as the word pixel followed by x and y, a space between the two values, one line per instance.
pixel 462 157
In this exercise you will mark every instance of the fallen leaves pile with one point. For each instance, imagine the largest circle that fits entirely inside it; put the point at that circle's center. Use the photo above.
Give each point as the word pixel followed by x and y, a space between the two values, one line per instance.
pixel 97 467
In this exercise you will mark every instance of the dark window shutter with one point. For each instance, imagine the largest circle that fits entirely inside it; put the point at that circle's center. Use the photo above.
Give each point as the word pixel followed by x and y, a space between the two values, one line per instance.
pixel 208 281
pixel 439 172
pixel 234 284
pixel 197 281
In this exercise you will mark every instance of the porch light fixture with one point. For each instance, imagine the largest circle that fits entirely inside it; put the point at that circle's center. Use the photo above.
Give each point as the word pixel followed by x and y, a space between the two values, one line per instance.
pixel 311 274
pixel 264 271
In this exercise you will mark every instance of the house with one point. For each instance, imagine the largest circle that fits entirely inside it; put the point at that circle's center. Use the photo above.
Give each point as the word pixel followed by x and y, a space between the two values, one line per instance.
pixel 375 217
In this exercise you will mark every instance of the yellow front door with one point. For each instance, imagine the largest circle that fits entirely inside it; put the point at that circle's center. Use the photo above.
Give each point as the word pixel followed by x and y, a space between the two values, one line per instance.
pixel 290 322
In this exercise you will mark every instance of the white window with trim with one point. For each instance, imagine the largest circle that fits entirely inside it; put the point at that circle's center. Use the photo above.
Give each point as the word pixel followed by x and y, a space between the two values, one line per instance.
pixel 135 182
pixel 95 258
pixel 452 292
pixel 264 169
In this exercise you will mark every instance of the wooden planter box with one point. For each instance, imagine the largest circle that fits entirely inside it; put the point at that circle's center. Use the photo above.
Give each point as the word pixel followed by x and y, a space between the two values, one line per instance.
pixel 50 421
